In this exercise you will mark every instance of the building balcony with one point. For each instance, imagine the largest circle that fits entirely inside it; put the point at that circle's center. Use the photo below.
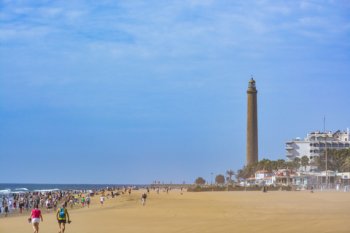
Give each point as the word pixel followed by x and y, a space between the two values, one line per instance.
pixel 315 153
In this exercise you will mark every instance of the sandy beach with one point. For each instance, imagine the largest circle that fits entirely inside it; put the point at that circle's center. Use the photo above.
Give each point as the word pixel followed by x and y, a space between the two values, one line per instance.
pixel 204 212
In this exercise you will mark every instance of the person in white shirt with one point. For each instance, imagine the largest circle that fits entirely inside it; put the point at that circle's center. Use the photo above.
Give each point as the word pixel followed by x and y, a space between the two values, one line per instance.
pixel 102 199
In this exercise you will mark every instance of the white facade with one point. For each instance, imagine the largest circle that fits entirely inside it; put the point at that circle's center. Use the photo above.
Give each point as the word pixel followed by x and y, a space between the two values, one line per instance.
pixel 260 175
pixel 344 175
pixel 264 178
pixel 315 144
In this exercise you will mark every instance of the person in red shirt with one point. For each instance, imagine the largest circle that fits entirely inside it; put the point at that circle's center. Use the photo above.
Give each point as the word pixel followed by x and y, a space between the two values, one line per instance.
pixel 35 218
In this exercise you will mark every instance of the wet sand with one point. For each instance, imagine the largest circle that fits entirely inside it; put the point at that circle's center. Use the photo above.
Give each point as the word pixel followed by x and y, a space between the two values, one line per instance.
pixel 240 212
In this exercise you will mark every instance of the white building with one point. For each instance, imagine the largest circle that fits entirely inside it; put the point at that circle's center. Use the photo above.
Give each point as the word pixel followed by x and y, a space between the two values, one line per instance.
pixel 315 144
pixel 264 177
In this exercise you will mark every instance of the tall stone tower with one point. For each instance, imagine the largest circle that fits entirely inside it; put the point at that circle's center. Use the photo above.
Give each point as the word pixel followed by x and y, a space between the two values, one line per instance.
pixel 252 124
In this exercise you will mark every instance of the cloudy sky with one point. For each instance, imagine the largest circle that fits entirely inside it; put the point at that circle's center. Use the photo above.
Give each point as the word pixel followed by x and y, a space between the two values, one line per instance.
pixel 136 91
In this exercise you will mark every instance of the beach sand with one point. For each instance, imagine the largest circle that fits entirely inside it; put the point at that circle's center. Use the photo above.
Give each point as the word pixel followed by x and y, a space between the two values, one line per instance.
pixel 240 212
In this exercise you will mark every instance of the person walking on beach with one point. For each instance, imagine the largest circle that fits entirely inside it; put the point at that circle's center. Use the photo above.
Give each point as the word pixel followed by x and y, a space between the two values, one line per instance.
pixel 6 208
pixel 71 203
pixel 102 199
pixel 21 205
pixel 35 218
pixel 143 199
pixel 62 218
pixel 88 201
pixel 83 201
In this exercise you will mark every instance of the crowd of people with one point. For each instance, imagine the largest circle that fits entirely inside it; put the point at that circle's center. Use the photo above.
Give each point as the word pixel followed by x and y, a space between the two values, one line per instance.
pixel 58 201
pixel 18 203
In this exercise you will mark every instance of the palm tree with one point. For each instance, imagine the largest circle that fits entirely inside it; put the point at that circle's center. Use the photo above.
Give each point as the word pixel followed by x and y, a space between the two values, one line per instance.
pixel 200 181
pixel 319 162
pixel 220 179
pixel 229 174
pixel 346 165
pixel 297 162
pixel 264 164
pixel 281 163
pixel 305 161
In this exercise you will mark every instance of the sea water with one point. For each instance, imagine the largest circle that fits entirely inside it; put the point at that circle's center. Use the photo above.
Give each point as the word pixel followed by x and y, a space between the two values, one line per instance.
pixel 7 189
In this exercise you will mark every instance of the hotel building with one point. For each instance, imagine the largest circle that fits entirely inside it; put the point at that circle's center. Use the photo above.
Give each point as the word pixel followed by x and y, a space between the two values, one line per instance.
pixel 316 143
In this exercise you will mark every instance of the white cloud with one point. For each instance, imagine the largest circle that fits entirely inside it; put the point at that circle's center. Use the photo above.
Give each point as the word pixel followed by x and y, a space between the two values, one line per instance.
pixel 175 29
pixel 49 12
pixel 22 32
pixel 308 5
pixel 314 22
pixel 22 10
pixel 279 9
pixel 73 15
pixel 195 3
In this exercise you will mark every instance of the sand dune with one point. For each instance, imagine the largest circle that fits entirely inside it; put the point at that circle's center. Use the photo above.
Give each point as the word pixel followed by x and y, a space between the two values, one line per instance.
pixel 204 212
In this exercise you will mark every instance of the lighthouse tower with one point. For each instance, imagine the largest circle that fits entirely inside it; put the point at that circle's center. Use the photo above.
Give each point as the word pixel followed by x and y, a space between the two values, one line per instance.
pixel 252 124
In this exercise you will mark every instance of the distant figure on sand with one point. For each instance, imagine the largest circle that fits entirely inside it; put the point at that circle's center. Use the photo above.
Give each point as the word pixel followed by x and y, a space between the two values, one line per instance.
pixel 62 218
pixel 83 201
pixel 264 189
pixel 88 201
pixel 143 198
pixel 71 203
pixel 35 218
pixel 21 204
pixel 6 208
pixel 102 199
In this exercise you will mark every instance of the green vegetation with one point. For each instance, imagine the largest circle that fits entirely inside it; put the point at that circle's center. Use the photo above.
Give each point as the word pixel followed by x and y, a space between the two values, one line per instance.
pixel 220 179
pixel 209 188
pixel 338 160
pixel 268 165
pixel 229 174
pixel 199 181
pixel 304 161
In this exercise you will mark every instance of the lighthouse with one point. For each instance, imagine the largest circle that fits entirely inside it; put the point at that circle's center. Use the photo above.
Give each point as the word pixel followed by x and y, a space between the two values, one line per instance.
pixel 252 123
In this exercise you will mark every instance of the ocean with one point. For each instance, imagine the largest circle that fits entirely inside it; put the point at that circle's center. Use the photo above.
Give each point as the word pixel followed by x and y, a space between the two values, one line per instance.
pixel 10 187
pixel 6 189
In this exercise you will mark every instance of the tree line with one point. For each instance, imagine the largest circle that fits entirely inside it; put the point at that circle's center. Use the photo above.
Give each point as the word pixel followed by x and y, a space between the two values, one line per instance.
pixel 337 160
pixel 219 179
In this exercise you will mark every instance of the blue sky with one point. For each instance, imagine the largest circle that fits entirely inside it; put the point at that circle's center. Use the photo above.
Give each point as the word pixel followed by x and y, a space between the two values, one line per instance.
pixel 136 91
